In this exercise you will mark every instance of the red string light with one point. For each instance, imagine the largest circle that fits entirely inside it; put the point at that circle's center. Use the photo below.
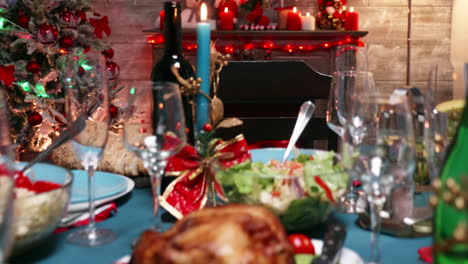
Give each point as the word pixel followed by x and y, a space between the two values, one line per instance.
pixel 155 39
pixel 268 46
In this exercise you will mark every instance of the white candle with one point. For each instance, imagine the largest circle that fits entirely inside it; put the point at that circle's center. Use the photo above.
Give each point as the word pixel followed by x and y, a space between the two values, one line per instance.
pixel 308 22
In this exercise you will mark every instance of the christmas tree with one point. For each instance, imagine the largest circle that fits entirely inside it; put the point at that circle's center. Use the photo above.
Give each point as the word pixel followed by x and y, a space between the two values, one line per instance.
pixel 36 36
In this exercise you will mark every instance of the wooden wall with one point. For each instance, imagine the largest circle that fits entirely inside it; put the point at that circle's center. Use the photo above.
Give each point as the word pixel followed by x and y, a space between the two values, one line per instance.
pixel 385 20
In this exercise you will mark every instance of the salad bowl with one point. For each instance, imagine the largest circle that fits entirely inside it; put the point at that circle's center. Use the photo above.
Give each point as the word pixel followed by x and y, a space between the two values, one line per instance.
pixel 42 197
pixel 302 191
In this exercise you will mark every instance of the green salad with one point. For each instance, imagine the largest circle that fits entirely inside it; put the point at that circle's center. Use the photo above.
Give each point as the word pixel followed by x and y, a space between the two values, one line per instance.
pixel 300 191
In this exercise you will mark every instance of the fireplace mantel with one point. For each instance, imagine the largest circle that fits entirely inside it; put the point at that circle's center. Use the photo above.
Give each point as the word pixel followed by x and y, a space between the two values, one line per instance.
pixel 315 48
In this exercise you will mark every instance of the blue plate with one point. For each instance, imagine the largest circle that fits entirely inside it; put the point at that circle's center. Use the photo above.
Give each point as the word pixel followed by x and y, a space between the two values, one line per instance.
pixel 266 154
pixel 105 185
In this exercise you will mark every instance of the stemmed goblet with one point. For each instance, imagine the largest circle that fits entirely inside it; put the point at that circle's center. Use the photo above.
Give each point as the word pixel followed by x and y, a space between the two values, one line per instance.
pixel 87 109
pixel 7 182
pixel 154 130
pixel 350 62
pixel 347 85
pixel 385 156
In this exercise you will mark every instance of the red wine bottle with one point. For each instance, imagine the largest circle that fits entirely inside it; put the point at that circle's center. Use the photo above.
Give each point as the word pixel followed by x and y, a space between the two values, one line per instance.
pixel 173 57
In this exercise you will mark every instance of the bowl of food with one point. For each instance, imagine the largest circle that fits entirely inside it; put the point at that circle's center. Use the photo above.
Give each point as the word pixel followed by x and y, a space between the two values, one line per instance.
pixel 302 191
pixel 42 197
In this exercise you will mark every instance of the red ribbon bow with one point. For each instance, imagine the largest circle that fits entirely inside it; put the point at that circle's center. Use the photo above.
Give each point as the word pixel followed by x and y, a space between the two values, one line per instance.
pixel 6 74
pixel 100 25
pixel 189 191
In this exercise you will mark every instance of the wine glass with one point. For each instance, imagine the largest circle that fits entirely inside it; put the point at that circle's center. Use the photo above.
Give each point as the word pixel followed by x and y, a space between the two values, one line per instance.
pixel 87 108
pixel 385 155
pixel 154 130
pixel 347 85
pixel 7 182
pixel 350 57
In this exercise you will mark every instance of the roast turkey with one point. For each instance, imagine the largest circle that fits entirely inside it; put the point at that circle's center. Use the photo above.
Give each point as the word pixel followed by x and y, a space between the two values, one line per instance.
pixel 230 234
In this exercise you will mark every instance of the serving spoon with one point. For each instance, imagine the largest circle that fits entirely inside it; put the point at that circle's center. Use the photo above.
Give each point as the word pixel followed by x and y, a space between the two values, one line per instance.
pixel 305 113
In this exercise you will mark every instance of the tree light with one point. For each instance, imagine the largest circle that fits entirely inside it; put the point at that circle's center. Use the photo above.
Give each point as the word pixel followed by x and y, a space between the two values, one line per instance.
pixel 24 86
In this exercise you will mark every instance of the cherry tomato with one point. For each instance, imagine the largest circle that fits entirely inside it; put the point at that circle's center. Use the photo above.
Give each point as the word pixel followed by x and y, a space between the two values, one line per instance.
pixel 302 244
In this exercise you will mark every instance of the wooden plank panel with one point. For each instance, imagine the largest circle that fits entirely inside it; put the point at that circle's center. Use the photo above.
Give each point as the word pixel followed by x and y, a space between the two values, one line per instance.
pixel 134 60
pixel 444 91
pixel 388 62
pixel 127 21
pixel 430 25
pixel 415 3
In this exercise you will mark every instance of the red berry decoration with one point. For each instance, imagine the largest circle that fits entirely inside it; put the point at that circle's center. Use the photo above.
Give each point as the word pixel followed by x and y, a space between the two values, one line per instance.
pixel 207 127
pixel 113 70
pixel 23 20
pixel 35 119
pixel 114 111
pixel 47 34
pixel 82 16
pixel 33 67
pixel 108 53
pixel 70 19
pixel 66 42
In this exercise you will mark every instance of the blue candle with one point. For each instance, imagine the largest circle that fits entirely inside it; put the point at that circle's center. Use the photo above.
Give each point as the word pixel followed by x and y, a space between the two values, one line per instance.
pixel 203 68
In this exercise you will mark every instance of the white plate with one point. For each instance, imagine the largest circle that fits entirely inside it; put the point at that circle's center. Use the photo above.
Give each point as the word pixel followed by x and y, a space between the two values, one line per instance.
pixel 105 185
pixel 348 256
pixel 74 207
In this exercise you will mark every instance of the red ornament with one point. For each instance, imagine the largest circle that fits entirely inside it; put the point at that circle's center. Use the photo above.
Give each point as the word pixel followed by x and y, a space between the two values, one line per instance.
pixel 86 49
pixel 113 70
pixel 114 111
pixel 207 127
pixel 23 20
pixel 81 71
pixel 34 119
pixel 82 16
pixel 47 34
pixel 70 19
pixel 66 42
pixel 33 67
pixel 108 53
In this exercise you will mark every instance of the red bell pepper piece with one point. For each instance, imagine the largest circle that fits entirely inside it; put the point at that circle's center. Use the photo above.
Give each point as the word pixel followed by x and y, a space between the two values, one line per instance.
pixel 325 187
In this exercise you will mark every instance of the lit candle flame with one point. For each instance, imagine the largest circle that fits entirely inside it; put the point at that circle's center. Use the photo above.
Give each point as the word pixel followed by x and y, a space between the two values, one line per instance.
pixel 351 9
pixel 226 10
pixel 295 10
pixel 203 12
pixel 308 14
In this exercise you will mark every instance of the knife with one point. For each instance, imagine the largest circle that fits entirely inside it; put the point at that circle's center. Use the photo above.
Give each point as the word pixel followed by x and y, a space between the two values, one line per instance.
pixel 332 244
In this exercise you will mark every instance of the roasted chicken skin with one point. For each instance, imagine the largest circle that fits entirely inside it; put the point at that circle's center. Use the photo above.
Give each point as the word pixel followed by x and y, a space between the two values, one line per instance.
pixel 230 234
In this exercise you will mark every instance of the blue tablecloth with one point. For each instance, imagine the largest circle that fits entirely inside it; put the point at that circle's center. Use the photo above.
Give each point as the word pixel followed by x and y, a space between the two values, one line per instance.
pixel 134 216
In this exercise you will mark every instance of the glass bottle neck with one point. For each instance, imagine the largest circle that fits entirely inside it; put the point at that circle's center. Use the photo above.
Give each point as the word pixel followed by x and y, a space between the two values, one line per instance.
pixel 172 29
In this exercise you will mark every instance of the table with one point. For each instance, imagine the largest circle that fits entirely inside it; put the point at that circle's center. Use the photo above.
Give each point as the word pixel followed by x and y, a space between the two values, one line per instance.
pixel 134 215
